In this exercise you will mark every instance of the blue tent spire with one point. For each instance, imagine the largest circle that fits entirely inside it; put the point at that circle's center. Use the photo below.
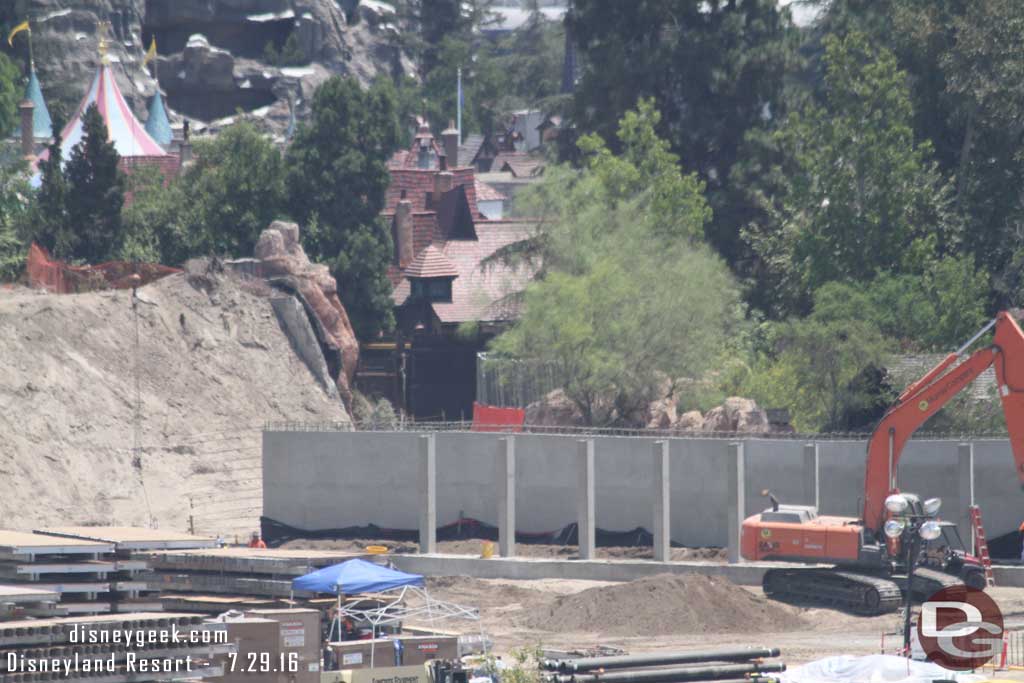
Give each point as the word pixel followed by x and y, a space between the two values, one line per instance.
pixel 42 126
pixel 157 125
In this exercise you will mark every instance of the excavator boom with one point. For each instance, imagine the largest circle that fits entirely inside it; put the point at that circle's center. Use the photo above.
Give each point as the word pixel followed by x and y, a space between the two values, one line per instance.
pixel 928 395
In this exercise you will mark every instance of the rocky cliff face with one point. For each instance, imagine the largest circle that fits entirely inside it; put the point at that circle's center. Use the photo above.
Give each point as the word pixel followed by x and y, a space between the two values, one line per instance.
pixel 216 57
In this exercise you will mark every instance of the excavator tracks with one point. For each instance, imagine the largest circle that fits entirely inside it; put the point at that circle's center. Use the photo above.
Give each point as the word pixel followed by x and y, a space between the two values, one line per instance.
pixel 929 581
pixel 859 593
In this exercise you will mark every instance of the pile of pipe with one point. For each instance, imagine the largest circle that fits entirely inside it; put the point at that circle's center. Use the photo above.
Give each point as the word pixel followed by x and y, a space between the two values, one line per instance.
pixel 734 665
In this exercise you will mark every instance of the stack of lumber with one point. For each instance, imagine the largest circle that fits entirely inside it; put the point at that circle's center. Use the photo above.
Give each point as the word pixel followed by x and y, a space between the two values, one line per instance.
pixel 132 589
pixel 61 648
pixel 216 580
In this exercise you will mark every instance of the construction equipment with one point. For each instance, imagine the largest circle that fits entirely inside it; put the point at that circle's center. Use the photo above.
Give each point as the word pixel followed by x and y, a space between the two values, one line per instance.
pixel 981 544
pixel 870 561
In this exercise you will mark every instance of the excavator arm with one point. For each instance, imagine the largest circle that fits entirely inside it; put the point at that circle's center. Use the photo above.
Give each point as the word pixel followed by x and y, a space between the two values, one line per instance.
pixel 928 395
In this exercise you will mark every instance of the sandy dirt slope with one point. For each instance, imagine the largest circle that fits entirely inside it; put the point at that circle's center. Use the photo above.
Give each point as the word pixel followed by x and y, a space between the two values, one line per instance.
pixel 214 365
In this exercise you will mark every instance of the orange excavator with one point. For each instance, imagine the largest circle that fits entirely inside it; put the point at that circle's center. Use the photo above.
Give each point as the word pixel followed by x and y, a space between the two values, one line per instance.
pixel 870 555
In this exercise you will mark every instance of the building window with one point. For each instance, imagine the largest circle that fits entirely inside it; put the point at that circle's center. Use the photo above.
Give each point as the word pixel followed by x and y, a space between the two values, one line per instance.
pixel 432 289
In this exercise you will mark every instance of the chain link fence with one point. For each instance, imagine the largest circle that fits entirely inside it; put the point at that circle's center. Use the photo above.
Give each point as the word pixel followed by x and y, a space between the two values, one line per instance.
pixel 513 383
pixel 467 426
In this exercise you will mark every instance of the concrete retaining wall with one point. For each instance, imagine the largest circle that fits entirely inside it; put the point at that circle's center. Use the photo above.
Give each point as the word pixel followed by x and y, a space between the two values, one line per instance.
pixel 316 480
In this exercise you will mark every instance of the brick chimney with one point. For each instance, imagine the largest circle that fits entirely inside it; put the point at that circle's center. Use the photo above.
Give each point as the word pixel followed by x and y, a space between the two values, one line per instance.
pixel 443 181
pixel 403 231
pixel 450 139
pixel 28 141
pixel 185 147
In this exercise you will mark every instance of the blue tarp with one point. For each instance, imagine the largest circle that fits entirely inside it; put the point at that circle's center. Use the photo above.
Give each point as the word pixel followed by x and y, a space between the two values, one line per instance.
pixel 355 576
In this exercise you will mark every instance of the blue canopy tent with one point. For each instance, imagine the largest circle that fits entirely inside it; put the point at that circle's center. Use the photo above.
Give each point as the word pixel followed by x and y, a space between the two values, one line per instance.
pixel 403 596
pixel 355 576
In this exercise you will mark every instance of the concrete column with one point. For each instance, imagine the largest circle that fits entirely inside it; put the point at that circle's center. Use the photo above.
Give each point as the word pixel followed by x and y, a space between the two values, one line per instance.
pixel 811 475
pixel 736 499
pixel 428 493
pixel 506 496
pixel 585 497
pixel 965 499
pixel 662 503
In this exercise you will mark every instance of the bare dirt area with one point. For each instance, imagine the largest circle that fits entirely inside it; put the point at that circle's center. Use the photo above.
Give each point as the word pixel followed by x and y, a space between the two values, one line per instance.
pixel 475 547
pixel 670 613
pixel 214 365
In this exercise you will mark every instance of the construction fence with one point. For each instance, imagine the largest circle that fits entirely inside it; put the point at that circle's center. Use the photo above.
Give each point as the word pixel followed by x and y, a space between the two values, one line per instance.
pixel 45 272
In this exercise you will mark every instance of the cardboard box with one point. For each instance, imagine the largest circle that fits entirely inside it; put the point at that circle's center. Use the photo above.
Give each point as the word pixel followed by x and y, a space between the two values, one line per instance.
pixel 358 654
pixel 392 674
pixel 299 635
pixel 258 653
pixel 420 649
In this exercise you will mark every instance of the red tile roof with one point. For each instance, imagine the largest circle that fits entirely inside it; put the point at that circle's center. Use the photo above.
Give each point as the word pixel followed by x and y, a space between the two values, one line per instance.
pixel 431 262
pixel 488 293
pixel 520 164
pixel 419 184
pixel 487 193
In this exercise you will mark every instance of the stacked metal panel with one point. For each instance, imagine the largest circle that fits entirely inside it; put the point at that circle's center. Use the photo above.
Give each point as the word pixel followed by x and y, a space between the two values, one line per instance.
pixel 19 602
pixel 237 578
pixel 132 588
pixel 80 571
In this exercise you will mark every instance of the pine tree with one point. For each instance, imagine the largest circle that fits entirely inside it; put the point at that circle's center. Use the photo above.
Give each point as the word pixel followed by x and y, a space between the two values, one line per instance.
pixel 95 191
pixel 50 227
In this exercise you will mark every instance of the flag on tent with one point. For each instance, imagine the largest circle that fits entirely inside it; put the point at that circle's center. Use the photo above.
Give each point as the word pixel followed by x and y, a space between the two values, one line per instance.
pixel 23 26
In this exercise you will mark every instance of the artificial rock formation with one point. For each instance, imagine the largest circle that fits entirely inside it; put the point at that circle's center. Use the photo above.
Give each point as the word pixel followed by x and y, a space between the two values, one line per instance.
pixel 284 259
pixel 212 56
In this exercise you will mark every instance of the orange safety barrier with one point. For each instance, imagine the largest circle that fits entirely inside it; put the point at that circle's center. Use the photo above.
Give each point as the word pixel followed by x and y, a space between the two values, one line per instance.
pixel 61 278
pixel 493 419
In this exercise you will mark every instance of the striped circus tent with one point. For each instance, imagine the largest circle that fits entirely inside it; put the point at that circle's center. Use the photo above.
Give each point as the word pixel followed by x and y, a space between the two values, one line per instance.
pixel 124 130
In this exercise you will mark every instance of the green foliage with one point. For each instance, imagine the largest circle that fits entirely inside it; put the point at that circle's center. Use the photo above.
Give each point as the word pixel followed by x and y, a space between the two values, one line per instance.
pixel 818 368
pixel 95 192
pixel 50 226
pixel 10 95
pixel 336 181
pixel 233 191
pixel 290 53
pixel 155 223
pixel 936 311
pixel 715 69
pixel 628 298
pixel 858 196
pixel 14 212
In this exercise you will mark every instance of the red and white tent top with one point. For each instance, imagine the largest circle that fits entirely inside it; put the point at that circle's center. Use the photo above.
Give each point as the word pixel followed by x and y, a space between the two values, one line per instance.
pixel 124 130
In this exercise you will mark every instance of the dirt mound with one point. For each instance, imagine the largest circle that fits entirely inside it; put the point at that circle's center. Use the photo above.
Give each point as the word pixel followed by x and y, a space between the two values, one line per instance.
pixel 214 365
pixel 664 605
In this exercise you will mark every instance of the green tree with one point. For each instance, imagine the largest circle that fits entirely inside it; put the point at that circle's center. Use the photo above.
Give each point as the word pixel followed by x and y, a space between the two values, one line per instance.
pixel 51 226
pixel 95 192
pixel 10 95
pixel 14 213
pixel 233 191
pixel 156 222
pixel 819 369
pixel 858 195
pixel 629 294
pixel 935 311
pixel 715 69
pixel 336 178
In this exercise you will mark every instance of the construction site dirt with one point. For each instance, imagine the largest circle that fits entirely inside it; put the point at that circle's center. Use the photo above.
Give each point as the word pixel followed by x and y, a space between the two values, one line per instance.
pixel 475 547
pixel 672 612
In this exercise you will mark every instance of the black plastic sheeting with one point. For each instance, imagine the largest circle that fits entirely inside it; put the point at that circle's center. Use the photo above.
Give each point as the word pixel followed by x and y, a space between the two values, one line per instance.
pixel 276 533
pixel 1005 547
